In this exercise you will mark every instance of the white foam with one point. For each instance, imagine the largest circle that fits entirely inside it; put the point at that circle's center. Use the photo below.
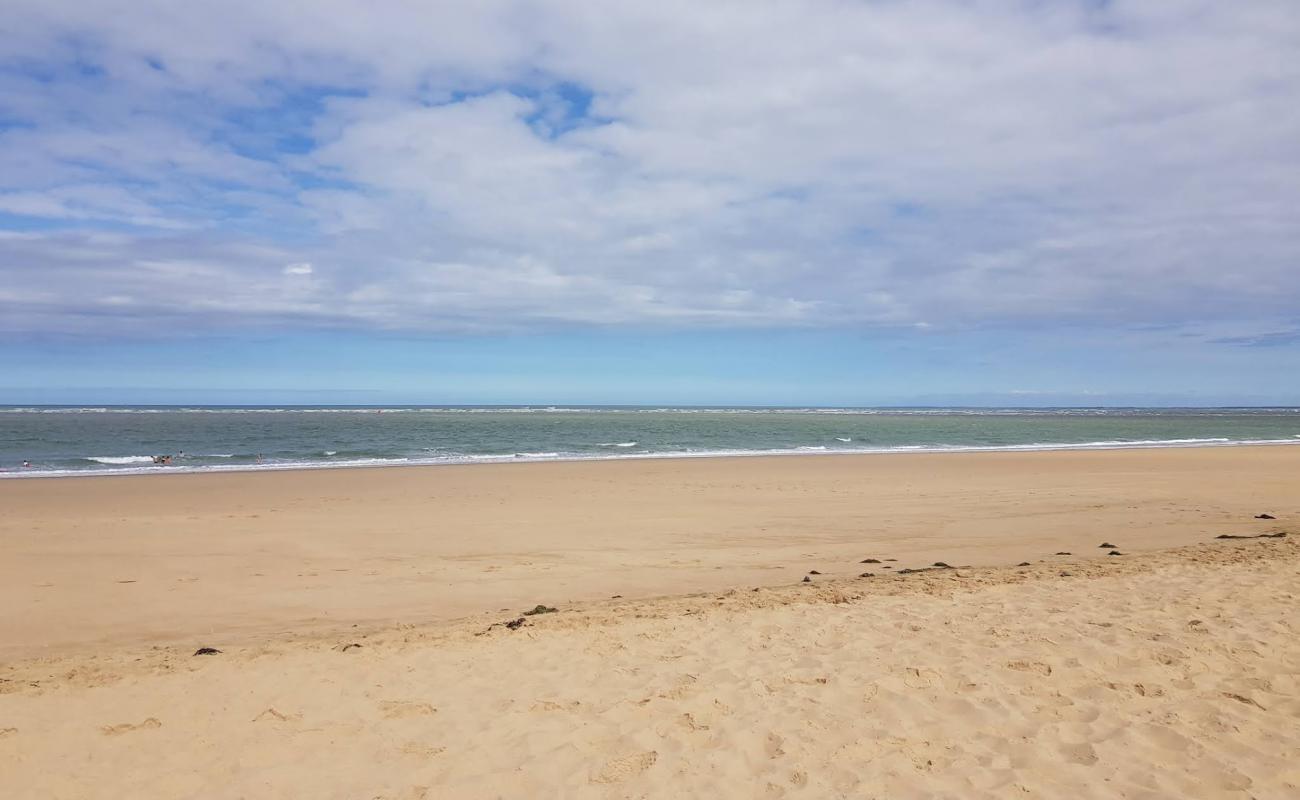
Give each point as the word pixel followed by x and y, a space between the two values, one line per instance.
pixel 142 465
pixel 617 444
pixel 121 459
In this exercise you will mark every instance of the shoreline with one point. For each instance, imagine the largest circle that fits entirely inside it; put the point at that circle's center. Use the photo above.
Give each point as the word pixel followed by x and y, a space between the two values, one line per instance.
pixel 489 460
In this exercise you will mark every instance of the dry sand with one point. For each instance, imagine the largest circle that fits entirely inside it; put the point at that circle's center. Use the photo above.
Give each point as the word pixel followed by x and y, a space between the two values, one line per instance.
pixel 1160 673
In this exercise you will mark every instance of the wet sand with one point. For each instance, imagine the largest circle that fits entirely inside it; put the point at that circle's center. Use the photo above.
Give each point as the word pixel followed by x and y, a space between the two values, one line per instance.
pixel 95 562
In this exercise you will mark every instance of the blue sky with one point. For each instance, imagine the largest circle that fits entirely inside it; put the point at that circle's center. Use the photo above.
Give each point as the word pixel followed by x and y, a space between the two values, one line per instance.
pixel 920 201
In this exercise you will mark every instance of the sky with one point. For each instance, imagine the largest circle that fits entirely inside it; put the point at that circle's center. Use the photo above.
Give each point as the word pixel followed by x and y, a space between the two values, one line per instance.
pixel 1028 202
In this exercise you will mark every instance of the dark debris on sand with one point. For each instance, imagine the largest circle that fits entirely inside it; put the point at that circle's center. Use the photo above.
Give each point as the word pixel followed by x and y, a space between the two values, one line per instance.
pixel 869 561
pixel 512 624
pixel 1256 536
pixel 1063 553
pixel 1265 516
pixel 1105 545
pixel 540 609
pixel 206 651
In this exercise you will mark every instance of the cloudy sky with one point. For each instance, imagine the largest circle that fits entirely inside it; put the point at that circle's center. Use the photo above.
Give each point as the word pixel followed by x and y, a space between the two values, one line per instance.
pixel 866 202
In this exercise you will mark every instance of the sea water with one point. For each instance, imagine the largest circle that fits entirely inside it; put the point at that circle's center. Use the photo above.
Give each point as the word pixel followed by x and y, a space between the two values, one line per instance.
pixel 61 440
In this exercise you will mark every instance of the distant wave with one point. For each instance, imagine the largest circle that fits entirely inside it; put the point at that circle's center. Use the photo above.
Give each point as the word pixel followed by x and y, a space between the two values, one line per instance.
pixel 843 438
pixel 865 411
pixel 121 459
pixel 617 444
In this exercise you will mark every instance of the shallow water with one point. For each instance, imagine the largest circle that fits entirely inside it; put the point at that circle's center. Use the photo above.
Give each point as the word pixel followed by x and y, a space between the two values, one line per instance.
pixel 115 440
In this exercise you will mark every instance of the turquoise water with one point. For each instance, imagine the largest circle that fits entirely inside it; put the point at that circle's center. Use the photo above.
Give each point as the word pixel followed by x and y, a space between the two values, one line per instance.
pixel 63 440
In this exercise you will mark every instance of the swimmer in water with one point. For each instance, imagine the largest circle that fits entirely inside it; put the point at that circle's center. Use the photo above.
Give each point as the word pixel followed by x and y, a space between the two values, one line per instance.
pixel 26 464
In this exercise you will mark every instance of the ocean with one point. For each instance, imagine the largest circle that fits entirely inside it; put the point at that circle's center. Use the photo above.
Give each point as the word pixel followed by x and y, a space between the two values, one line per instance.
pixel 60 440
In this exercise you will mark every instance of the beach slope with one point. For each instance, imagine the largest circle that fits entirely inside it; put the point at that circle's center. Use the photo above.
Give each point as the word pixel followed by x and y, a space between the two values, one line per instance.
pixel 1170 674
pixel 765 627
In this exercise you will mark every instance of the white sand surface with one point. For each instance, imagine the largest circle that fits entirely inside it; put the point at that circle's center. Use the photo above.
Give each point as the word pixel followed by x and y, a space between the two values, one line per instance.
pixel 1170 674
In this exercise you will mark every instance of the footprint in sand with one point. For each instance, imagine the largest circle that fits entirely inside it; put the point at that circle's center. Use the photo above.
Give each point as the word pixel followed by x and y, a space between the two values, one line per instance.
pixel 620 769
pixel 128 727
pixel 1080 753
pixel 682 688
pixel 551 705
pixel 819 680
pixel 422 750
pixel 1031 666
pixel 403 709
pixel 413 793
pixel 271 715
pixel 773 746
pixel 689 722
pixel 920 678
pixel 1163 737
pixel 7 732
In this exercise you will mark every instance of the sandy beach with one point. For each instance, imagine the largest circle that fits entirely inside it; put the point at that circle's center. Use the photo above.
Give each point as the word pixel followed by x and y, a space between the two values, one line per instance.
pixel 1168 671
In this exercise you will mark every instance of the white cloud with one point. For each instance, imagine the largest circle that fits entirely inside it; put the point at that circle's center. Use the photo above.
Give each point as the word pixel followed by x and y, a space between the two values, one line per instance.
pixel 785 163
